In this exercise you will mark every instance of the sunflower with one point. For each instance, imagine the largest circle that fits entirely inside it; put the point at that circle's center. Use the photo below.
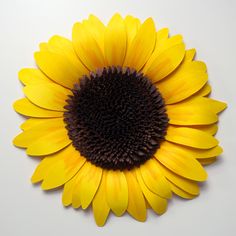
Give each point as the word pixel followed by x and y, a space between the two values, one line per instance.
pixel 120 116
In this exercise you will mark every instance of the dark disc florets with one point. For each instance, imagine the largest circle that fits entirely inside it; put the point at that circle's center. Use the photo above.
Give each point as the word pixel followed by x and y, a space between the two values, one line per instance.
pixel 116 118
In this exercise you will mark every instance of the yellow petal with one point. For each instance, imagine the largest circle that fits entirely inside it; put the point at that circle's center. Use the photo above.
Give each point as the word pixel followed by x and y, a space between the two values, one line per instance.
pixel 25 107
pixel 49 143
pixel 162 44
pixel 132 25
pixel 190 137
pixel 180 192
pixel 214 105
pixel 28 137
pixel 31 76
pixel 47 95
pixel 100 207
pixel 186 185
pixel 204 91
pixel 117 191
pixel 190 114
pixel 165 63
pixel 64 169
pixel 190 54
pixel 142 45
pixel 210 129
pixel 207 161
pixel 87 48
pixel 89 184
pixel 68 191
pixel 136 202
pixel 30 123
pixel 192 152
pixel 184 82
pixel 67 75
pixel 154 179
pixel 77 192
pixel 43 167
pixel 115 41
pixel 64 47
pixel 181 164
pixel 97 29
pixel 157 203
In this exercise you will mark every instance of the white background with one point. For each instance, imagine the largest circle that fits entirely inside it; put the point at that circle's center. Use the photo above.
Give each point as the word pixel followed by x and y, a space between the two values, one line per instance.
pixel 209 26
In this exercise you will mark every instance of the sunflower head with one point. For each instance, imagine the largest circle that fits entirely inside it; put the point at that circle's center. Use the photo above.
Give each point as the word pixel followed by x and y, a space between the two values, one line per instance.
pixel 121 117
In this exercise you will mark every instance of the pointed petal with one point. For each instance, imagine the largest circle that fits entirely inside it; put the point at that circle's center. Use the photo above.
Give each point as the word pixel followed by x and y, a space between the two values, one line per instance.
pixel 26 138
pixel 89 184
pixel 180 192
pixel 132 25
pixel 31 76
pixel 190 137
pixel 68 191
pixel 115 41
pixel 136 202
pixel 47 95
pixel 154 179
pixel 166 62
pixel 49 62
pixel 100 207
pixel 32 122
pixel 117 191
pixel 64 169
pixel 87 47
pixel 186 185
pixel 190 114
pixel 142 45
pixel 181 164
pixel 25 107
pixel 157 203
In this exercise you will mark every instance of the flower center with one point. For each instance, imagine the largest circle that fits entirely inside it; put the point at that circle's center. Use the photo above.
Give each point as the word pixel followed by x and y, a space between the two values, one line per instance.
pixel 116 118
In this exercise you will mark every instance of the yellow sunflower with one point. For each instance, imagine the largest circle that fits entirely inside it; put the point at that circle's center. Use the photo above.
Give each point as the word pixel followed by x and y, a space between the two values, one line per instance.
pixel 120 116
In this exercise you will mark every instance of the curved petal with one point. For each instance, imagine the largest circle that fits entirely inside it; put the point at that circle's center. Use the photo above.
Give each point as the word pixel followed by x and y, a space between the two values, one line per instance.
pixel 115 41
pixel 136 202
pixel 181 164
pixel 142 45
pixel 181 193
pixel 100 207
pixel 32 76
pixel 162 44
pixel 192 152
pixel 154 179
pixel 190 137
pixel 185 81
pixel 44 167
pixel 132 25
pixel 165 63
pixel 68 74
pixel 207 161
pixel 87 48
pixel 76 186
pixel 47 95
pixel 186 185
pixel 64 169
pixel 26 108
pixel 158 204
pixel 97 29
pixel 190 114
pixel 68 191
pixel 210 129
pixel 32 122
pixel 203 92
pixel 26 138
pixel 89 184
pixel 49 143
pixel 116 191
pixel 64 46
